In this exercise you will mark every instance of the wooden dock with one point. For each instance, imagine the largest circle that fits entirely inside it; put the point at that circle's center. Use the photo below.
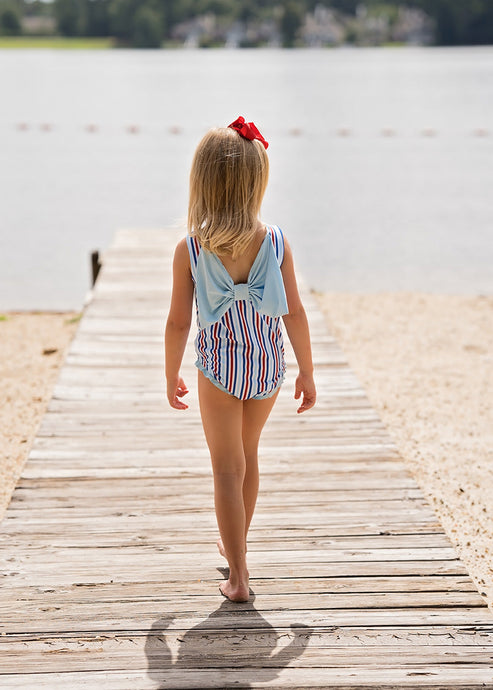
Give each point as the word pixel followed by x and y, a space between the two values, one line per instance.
pixel 110 571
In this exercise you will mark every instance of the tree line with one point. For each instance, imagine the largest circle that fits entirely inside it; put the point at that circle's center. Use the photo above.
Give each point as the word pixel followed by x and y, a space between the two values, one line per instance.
pixel 142 23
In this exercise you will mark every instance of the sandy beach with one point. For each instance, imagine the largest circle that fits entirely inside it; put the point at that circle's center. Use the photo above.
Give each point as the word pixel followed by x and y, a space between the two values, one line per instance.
pixel 426 362
pixel 32 349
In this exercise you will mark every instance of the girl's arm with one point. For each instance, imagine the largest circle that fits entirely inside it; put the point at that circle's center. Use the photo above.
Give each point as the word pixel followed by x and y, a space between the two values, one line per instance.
pixel 178 325
pixel 298 332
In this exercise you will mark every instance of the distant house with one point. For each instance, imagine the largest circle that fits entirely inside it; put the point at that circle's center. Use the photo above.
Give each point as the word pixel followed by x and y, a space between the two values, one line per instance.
pixel 196 31
pixel 39 25
pixel 208 29
pixel 322 27
pixel 372 26
pixel 379 24
pixel 413 26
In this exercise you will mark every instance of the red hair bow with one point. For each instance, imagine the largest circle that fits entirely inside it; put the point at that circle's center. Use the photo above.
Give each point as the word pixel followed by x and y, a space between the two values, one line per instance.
pixel 247 130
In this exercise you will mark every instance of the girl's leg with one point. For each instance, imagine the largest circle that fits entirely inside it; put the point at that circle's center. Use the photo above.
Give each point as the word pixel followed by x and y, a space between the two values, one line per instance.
pixel 255 414
pixel 222 416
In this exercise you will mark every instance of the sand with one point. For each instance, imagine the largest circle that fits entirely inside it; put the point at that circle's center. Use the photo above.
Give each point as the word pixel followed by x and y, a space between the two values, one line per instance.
pixel 425 361
pixel 32 348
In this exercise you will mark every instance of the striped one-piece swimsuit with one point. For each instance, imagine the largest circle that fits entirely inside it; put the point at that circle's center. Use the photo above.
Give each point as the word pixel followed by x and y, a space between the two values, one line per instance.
pixel 239 343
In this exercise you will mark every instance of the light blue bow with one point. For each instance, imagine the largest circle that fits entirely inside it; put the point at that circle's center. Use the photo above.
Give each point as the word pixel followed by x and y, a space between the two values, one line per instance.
pixel 216 291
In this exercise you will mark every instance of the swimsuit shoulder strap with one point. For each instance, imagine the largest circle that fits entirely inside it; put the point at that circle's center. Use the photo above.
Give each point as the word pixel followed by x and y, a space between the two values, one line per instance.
pixel 277 239
pixel 193 249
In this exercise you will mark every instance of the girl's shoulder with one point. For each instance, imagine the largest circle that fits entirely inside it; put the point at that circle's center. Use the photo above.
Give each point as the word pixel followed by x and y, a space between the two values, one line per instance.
pixel 181 248
pixel 182 254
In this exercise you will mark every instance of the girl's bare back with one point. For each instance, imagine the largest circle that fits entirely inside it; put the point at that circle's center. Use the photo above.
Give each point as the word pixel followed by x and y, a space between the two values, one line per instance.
pixel 239 268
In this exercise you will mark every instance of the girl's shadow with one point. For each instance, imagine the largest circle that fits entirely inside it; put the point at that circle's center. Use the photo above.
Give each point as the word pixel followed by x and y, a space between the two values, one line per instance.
pixel 233 646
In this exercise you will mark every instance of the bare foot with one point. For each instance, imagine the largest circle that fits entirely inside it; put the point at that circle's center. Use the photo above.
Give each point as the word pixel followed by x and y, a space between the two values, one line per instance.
pixel 238 592
pixel 221 547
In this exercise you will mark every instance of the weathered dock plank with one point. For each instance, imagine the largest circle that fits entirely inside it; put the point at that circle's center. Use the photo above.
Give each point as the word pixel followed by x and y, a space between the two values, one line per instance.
pixel 109 567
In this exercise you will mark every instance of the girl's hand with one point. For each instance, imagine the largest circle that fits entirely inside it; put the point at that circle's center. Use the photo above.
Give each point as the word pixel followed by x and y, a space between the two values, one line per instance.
pixel 177 389
pixel 305 385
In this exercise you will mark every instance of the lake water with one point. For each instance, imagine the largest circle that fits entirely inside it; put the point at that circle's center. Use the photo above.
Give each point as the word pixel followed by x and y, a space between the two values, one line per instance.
pixel 365 210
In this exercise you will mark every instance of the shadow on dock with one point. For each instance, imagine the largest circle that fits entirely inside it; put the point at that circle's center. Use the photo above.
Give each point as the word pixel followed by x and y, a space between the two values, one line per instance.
pixel 233 639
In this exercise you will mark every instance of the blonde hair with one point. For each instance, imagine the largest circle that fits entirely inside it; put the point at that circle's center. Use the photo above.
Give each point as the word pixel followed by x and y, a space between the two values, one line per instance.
pixel 227 183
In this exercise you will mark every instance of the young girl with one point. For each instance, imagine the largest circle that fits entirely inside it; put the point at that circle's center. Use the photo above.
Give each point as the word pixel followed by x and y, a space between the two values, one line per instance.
pixel 242 274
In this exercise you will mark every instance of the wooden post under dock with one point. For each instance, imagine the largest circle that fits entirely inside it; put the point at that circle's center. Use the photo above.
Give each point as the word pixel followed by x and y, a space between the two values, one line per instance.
pixel 110 571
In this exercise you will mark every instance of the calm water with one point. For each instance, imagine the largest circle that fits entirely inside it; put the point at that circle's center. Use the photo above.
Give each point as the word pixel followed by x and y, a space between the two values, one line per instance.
pixel 364 212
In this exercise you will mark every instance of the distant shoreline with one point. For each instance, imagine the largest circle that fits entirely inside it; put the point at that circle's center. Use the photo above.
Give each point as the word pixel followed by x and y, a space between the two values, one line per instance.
pixel 109 43
pixel 58 42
